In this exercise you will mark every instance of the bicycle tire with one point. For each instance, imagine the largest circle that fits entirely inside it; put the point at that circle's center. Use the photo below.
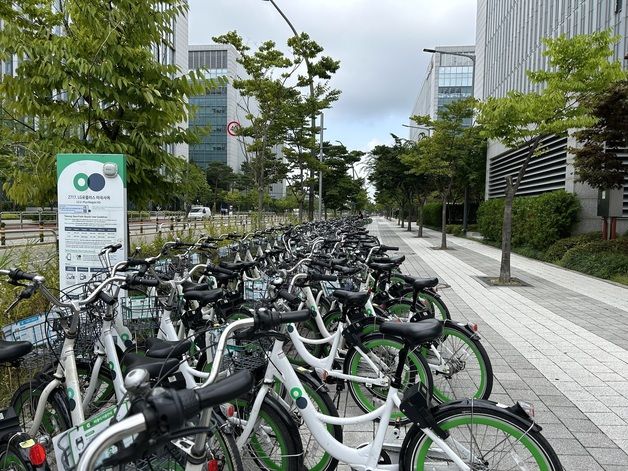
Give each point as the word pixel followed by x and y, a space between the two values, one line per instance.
pixel 13 459
pixel 276 428
pixel 56 418
pixel 437 306
pixel 461 419
pixel 316 459
pixel 417 370
pixel 470 379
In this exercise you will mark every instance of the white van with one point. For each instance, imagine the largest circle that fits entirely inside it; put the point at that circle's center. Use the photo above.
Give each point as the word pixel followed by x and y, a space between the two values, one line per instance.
pixel 199 212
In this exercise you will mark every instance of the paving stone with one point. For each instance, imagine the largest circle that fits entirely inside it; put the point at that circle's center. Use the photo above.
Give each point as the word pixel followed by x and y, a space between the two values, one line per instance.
pixel 563 342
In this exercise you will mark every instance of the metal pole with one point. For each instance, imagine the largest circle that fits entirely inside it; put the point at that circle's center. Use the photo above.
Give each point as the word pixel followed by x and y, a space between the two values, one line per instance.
pixel 320 172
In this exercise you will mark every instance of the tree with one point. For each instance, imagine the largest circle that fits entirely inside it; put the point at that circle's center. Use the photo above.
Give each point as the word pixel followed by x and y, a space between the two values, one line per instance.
pixel 392 179
pixel 89 79
pixel 578 68
pixel 220 177
pixel 274 102
pixel 442 157
pixel 340 190
pixel 596 160
pixel 194 188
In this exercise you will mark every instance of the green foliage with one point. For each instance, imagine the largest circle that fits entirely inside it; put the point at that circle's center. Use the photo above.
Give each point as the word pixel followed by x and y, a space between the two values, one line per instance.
pixel 340 190
pixel 605 258
pixel 596 161
pixel 454 229
pixel 280 111
pixel 490 217
pixel 538 221
pixel 194 188
pixel 97 87
pixel 432 214
pixel 558 249
pixel 577 67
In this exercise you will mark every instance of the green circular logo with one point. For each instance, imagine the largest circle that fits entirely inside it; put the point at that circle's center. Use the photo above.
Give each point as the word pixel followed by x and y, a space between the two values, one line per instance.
pixel 70 393
pixel 81 182
pixel 296 393
pixel 125 337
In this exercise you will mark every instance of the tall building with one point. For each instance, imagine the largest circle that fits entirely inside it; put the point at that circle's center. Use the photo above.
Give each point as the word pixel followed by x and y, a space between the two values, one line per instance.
pixel 219 109
pixel 449 78
pixel 509 42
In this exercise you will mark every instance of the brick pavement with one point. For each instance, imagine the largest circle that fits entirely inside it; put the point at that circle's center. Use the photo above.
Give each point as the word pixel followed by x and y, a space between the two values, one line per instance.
pixel 561 344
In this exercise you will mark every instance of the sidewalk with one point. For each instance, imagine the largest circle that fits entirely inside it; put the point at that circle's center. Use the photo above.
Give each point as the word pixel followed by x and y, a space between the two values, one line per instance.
pixel 561 344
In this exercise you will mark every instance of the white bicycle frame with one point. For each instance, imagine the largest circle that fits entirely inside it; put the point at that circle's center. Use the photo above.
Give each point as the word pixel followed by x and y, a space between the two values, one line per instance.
pixel 365 458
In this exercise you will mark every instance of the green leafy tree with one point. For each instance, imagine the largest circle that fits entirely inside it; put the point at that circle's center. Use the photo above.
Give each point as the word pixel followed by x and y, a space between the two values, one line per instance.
pixel 266 95
pixel 220 177
pixel 596 159
pixel 443 157
pixel 90 79
pixel 340 190
pixel 193 186
pixel 578 68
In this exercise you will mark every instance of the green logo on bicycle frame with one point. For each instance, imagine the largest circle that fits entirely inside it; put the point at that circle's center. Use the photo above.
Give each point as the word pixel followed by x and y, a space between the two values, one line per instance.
pixel 296 393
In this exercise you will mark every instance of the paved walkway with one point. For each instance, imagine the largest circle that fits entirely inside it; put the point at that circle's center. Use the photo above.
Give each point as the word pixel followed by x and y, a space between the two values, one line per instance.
pixel 561 343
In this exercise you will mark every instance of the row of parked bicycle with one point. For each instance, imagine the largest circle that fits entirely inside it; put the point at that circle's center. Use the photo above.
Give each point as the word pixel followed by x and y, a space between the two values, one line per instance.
pixel 184 362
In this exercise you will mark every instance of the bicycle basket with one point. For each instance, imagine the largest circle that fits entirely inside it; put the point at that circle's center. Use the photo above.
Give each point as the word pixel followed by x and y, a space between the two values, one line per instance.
pixel 141 315
pixel 255 290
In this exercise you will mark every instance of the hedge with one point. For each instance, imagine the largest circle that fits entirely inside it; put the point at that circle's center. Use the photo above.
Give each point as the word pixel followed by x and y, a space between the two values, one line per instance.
pixel 558 249
pixel 603 258
pixel 538 221
pixel 432 214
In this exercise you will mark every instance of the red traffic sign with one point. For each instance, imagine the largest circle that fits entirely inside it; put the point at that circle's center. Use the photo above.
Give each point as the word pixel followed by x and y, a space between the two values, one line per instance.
pixel 232 128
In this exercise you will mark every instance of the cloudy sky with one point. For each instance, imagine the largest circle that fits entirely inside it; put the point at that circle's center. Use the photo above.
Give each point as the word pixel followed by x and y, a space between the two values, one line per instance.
pixel 378 44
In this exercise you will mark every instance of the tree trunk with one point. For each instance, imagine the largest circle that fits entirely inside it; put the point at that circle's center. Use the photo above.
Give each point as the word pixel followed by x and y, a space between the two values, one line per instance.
pixel 443 239
pixel 310 203
pixel 465 210
pixel 420 221
pixel 509 196
pixel 410 215
pixel 504 269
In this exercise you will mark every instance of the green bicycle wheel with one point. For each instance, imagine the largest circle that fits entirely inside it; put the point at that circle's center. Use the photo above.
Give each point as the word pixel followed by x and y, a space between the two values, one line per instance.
pixel 484 437
pixel 460 366
pixel 275 443
pixel 385 347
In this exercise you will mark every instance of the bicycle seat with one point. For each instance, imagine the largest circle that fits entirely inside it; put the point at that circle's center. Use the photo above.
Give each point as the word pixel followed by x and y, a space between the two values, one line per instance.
pixel 414 332
pixel 396 260
pixel 11 351
pixel 156 367
pixel 203 297
pixel 382 266
pixel 351 298
pixel 159 348
pixel 419 283
pixel 191 286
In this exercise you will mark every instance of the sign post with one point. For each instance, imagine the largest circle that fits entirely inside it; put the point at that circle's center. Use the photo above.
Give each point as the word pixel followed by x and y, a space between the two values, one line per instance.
pixel 91 190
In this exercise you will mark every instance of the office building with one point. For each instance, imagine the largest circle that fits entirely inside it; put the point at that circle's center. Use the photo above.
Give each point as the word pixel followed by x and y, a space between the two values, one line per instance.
pixel 508 43
pixel 449 78
pixel 220 108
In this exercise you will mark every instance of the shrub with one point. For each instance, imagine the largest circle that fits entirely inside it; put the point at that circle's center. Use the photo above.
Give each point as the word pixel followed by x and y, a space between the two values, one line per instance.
pixel 490 217
pixel 558 249
pixel 537 221
pixel 604 258
pixel 432 214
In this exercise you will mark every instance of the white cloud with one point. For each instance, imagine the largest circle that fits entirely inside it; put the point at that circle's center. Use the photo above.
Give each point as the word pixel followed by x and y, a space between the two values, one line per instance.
pixel 378 43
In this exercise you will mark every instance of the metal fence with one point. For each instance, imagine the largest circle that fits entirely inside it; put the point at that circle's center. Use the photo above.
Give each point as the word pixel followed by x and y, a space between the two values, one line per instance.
pixel 21 231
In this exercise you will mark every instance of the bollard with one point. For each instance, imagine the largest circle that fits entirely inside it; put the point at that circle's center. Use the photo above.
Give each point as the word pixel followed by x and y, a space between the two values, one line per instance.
pixel 141 227
pixel 21 220
pixel 41 231
pixel 171 224
pixel 3 240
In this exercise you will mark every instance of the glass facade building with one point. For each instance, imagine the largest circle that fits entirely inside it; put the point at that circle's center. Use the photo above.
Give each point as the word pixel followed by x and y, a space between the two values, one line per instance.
pixel 449 78
pixel 509 42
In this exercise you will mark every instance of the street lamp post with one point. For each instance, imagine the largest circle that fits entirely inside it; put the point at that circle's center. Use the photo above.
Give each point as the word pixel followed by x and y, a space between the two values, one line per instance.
pixel 465 209
pixel 320 172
